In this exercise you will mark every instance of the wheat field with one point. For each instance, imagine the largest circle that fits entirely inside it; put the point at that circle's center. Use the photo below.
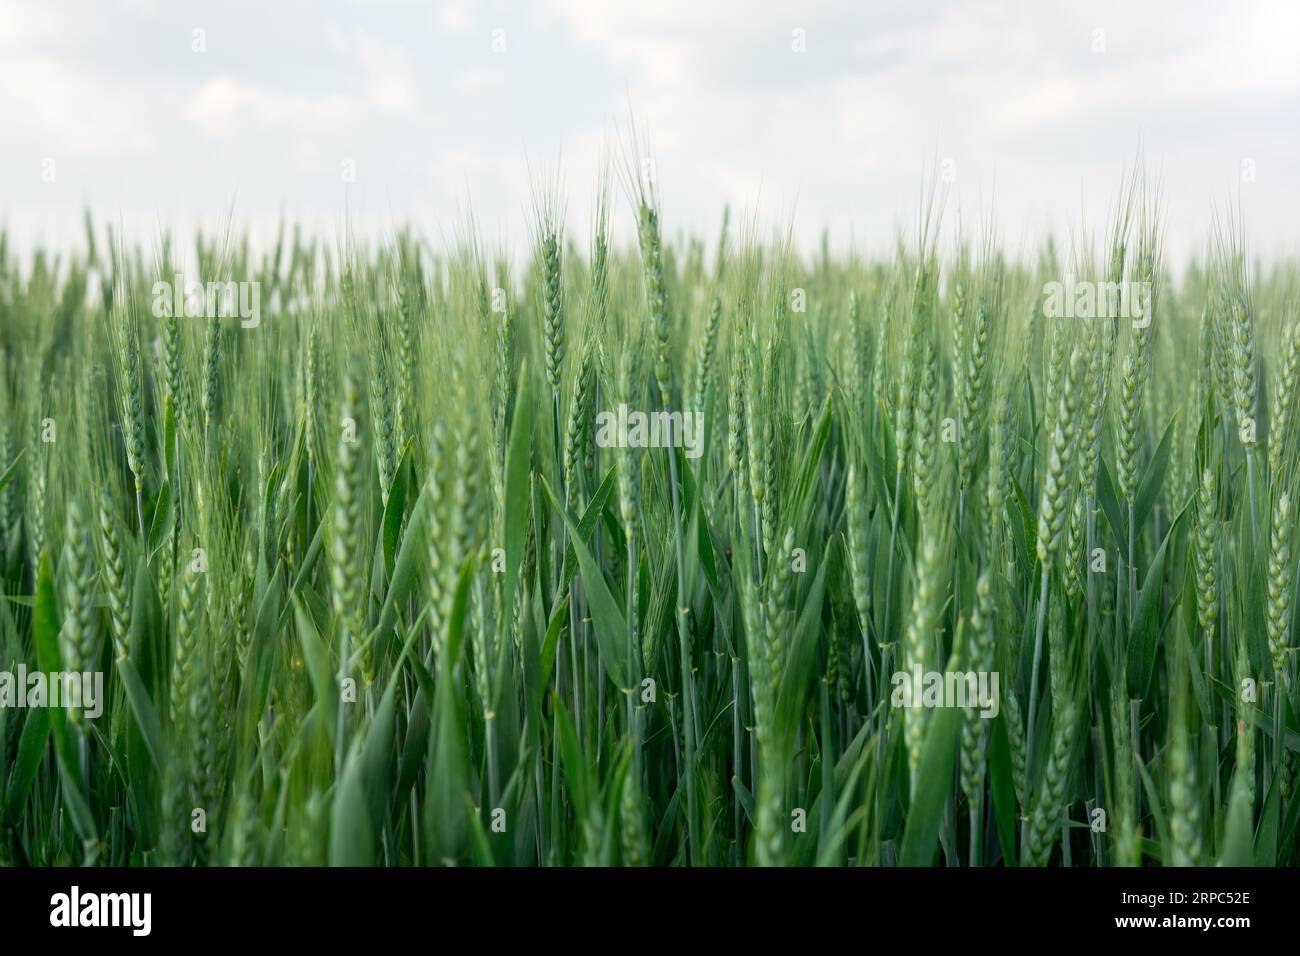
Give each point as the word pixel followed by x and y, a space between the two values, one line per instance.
pixel 667 553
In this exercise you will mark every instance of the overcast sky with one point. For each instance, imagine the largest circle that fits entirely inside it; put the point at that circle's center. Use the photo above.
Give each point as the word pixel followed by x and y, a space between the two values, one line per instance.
pixel 822 114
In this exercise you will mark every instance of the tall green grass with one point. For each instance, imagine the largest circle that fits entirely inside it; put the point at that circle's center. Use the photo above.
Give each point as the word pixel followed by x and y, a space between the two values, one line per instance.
pixel 367 590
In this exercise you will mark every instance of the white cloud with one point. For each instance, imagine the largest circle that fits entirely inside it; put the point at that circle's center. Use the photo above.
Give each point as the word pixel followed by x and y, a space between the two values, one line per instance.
pixel 455 16
pixel 57 105
pixel 387 76
pixel 840 133
pixel 226 105
pixel 25 23
pixel 1013 93
pixel 477 81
